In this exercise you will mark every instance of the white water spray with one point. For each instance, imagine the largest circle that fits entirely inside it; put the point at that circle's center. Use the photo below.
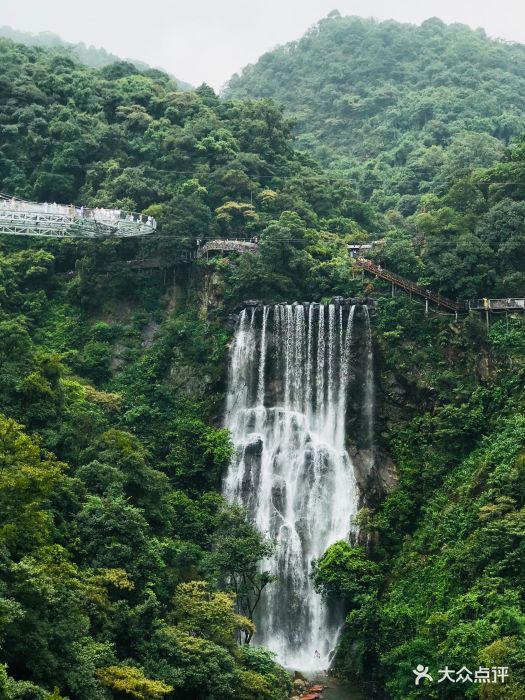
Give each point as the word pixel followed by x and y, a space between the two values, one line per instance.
pixel 286 410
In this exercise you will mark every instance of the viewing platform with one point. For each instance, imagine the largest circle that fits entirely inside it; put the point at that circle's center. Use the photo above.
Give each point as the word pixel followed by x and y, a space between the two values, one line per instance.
pixel 496 304
pixel 21 218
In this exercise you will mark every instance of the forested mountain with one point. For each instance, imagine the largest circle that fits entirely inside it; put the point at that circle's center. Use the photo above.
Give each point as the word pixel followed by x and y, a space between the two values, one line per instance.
pixel 89 55
pixel 117 550
pixel 123 572
pixel 442 581
pixel 202 166
pixel 401 109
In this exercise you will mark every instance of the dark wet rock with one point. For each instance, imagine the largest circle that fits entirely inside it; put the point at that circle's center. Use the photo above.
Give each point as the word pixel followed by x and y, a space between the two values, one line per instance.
pixel 231 321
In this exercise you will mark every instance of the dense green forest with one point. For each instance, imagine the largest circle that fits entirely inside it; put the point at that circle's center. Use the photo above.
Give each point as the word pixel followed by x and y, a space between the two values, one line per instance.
pixel 117 550
pixel 116 545
pixel 400 109
pixel 88 55
pixel 414 117
pixel 442 580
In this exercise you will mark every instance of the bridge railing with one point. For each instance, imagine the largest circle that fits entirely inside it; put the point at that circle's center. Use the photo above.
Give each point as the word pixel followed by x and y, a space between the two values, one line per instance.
pixel 410 286
pixel 496 304
pixel 226 244
pixel 20 217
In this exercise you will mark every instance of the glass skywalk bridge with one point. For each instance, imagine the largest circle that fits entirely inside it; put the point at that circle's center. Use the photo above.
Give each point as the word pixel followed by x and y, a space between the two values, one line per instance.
pixel 21 218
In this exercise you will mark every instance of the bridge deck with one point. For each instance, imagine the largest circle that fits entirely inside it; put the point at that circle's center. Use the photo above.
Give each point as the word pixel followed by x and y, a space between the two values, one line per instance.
pixel 226 245
pixel 455 306
pixel 496 304
pixel 21 218
pixel 410 286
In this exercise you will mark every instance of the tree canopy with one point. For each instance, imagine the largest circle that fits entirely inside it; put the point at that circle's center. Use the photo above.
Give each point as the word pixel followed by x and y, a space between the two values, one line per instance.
pixel 400 109
pixel 124 573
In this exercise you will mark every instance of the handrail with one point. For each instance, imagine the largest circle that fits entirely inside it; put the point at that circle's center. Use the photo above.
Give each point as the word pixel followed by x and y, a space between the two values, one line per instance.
pixel 410 286
pixel 71 211
pixel 496 304
pixel 21 218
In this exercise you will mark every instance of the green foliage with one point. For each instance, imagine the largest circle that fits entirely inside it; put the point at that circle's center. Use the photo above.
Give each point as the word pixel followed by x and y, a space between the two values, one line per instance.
pixel 92 552
pixel 26 478
pixel 441 581
pixel 262 661
pixel 199 613
pixel 129 680
pixel 123 572
pixel 89 613
pixel 89 55
pixel 402 109
pixel 345 572
pixel 238 551
pixel 203 167
pixel 418 118
pixel 462 576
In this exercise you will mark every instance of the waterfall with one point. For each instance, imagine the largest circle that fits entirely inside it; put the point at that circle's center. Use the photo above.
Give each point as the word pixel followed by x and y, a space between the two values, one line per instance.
pixel 286 410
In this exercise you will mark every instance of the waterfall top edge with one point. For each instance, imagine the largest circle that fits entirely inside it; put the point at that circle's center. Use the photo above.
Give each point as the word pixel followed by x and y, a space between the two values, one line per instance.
pixel 336 301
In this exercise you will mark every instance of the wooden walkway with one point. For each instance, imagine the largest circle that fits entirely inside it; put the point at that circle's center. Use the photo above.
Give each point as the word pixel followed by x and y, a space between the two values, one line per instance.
pixel 459 306
pixel 411 287
pixel 223 245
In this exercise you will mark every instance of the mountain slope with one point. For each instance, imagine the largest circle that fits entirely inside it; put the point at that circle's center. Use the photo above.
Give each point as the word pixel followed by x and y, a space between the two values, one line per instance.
pixel 117 552
pixel 89 55
pixel 400 108
pixel 110 574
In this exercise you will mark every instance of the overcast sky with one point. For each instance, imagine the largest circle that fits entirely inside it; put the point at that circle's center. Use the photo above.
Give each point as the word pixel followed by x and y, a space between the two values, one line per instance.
pixel 209 40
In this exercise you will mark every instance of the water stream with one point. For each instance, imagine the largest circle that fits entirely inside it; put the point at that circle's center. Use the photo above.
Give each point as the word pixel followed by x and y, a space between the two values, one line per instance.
pixel 286 409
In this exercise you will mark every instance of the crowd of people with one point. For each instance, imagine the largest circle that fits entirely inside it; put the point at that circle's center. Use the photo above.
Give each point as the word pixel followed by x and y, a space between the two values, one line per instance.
pixel 70 210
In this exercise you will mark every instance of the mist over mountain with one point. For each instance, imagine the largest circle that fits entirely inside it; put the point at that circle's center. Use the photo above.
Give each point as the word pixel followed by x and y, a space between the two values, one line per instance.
pixel 87 54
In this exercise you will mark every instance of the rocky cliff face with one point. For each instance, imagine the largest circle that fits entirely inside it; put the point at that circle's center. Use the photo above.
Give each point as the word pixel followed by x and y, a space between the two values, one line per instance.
pixel 374 469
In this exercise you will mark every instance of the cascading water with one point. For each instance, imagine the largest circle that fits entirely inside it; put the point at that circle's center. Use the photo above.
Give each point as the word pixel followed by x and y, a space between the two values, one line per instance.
pixel 286 409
